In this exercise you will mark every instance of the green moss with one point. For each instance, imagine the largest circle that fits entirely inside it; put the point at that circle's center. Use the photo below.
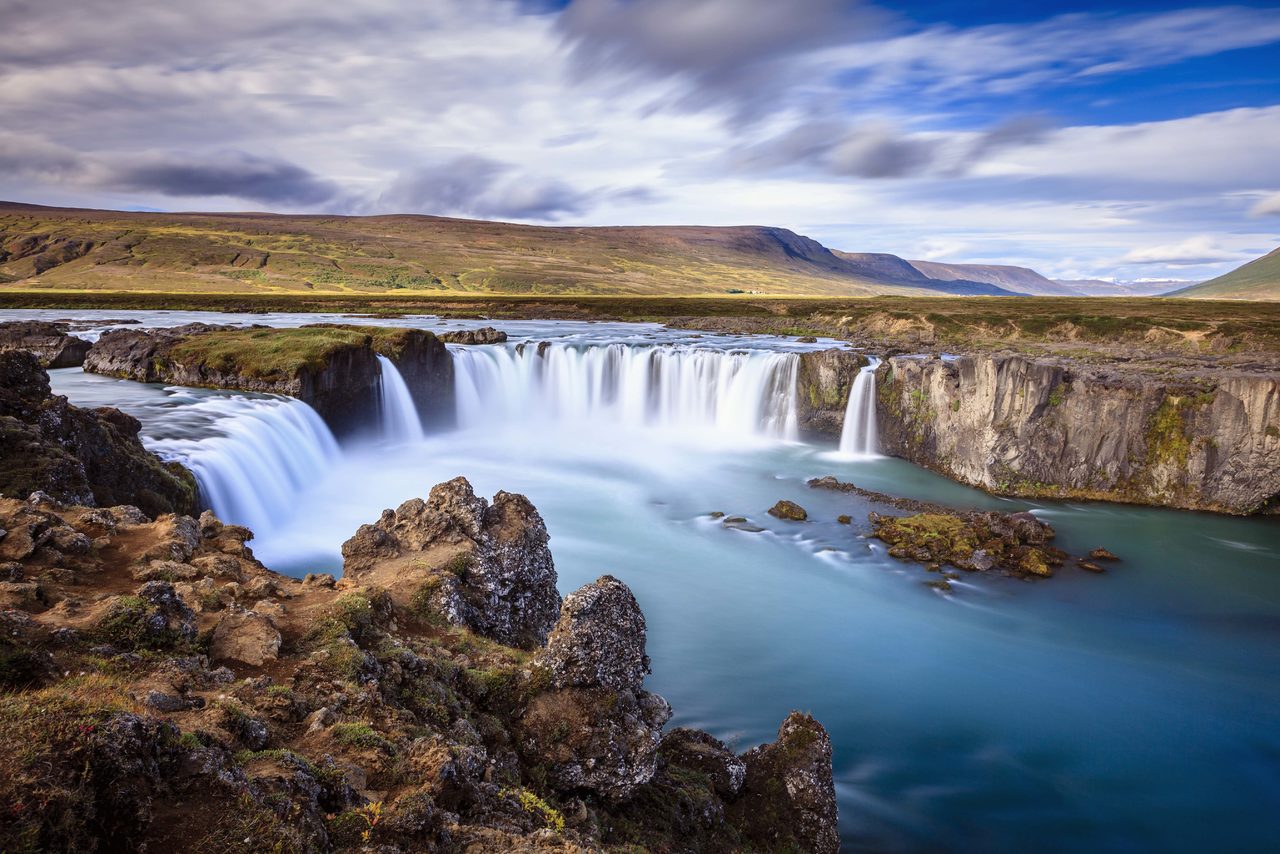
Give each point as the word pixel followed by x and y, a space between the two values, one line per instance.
pixel 537 807
pixel 1057 396
pixel 267 353
pixel 1167 439
pixel 361 735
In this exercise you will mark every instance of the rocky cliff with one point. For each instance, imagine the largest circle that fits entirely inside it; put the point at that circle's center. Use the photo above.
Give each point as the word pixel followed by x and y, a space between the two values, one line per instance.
pixel 1057 428
pixel 161 690
pixel 332 368
pixel 823 383
pixel 85 456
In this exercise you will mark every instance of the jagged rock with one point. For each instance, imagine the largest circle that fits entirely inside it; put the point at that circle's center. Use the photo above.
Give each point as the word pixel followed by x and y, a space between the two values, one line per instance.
pixel 1102 554
pixel 78 456
pixel 50 343
pixel 483 335
pixel 691 748
pixel 599 731
pixel 788 510
pixel 599 640
pixel 486 567
pixel 788 800
pixel 245 636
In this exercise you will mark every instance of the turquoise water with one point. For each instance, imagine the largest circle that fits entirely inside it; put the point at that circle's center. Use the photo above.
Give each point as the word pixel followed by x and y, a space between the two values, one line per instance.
pixel 1138 710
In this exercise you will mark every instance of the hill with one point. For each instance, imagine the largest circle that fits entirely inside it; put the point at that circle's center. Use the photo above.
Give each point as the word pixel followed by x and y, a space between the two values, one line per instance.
pixel 1139 288
pixel 1257 280
pixel 1017 279
pixel 69 249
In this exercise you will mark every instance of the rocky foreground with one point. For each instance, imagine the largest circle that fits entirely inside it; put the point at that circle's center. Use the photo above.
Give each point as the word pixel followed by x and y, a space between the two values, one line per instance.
pixel 163 690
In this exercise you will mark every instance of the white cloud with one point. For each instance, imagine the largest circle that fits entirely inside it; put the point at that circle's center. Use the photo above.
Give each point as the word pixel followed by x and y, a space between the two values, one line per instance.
pixel 1267 206
pixel 1192 252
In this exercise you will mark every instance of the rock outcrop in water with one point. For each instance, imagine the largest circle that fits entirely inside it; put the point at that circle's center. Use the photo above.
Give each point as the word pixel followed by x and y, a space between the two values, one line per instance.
pixel 823 383
pixel 163 691
pixel 333 368
pixel 50 342
pixel 1054 428
pixel 78 456
pixel 483 335
pixel 482 566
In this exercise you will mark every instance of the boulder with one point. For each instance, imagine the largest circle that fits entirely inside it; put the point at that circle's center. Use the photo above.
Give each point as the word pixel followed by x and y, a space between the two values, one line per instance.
pixel 50 343
pixel 788 799
pixel 701 752
pixel 483 566
pixel 245 636
pixel 599 640
pixel 788 510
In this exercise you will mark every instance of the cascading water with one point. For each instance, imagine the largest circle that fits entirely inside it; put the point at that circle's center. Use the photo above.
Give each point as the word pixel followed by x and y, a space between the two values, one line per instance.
pixel 859 433
pixel 263 452
pixel 740 393
pixel 397 412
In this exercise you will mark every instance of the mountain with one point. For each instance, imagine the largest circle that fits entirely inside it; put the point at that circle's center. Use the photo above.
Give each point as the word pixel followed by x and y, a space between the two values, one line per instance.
pixel 60 248
pixel 1141 288
pixel 1017 279
pixel 1257 280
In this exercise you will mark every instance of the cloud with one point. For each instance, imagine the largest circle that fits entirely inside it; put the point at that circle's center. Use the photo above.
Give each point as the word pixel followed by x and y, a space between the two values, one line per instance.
pixel 721 47
pixel 479 186
pixel 233 173
pixel 1267 206
pixel 880 152
pixel 1192 252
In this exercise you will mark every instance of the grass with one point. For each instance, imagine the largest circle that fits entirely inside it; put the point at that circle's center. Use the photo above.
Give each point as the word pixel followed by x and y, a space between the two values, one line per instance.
pixel 266 353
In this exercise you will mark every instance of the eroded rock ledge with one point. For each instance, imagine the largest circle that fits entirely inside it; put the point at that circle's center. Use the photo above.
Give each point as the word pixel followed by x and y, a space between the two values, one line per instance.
pixel 333 368
pixel 81 456
pixel 1056 428
pixel 164 690
pixel 52 343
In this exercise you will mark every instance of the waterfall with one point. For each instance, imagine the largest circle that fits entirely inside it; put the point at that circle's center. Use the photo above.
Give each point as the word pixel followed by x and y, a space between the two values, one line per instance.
pixel 397 412
pixel 263 452
pixel 740 393
pixel 859 433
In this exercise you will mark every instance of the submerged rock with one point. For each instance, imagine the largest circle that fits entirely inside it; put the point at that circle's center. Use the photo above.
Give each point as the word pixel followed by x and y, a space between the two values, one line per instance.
pixel 485 567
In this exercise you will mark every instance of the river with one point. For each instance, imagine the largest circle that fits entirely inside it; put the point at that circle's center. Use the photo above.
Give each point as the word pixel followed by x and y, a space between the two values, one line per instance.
pixel 1137 710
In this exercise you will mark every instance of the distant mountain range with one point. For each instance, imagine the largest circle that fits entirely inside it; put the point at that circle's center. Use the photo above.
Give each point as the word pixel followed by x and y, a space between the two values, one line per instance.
pixel 65 248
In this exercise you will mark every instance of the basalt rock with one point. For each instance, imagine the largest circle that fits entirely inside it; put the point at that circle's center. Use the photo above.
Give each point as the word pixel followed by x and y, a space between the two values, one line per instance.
pixel 78 456
pixel 823 384
pixel 1055 428
pixel 483 566
pixel 483 335
pixel 50 342
pixel 788 800
pixel 789 511
pixel 597 730
pixel 1016 543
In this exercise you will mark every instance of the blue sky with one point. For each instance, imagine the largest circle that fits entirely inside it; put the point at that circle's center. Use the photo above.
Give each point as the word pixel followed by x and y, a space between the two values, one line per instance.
pixel 1126 140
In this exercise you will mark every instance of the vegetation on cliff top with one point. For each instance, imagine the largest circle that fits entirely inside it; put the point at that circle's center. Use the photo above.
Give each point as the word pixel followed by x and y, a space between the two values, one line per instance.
pixel 267 353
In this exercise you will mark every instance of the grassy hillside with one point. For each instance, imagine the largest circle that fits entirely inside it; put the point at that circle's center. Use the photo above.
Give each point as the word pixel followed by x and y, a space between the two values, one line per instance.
pixel 1257 280
pixel 64 249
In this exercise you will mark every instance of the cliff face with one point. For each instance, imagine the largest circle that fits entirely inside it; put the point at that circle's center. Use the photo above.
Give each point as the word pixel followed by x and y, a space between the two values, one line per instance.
pixel 823 383
pixel 86 456
pixel 51 343
pixel 332 368
pixel 1016 426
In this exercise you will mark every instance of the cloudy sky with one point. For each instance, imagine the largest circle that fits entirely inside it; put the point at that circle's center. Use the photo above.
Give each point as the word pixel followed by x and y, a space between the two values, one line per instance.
pixel 1125 139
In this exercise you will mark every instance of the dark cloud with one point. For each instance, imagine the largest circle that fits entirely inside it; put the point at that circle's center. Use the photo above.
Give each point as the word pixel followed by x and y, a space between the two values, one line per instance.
pixel 1018 131
pixel 735 48
pixel 479 186
pixel 872 151
pixel 236 174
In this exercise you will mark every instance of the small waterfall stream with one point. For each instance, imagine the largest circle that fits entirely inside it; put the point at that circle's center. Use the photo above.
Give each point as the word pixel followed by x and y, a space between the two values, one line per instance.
pixel 734 394
pixel 398 415
pixel 858 435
